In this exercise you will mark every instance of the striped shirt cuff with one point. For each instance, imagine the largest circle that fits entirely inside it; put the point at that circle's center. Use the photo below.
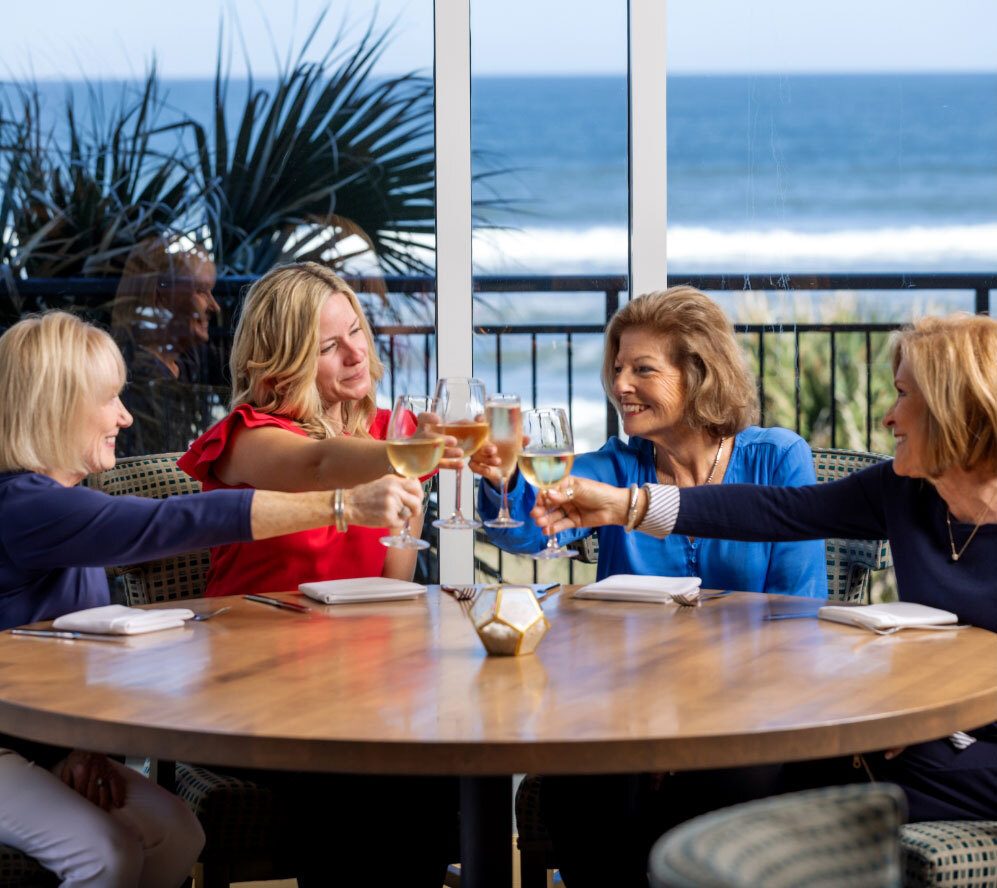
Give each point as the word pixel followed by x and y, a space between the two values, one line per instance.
pixel 662 510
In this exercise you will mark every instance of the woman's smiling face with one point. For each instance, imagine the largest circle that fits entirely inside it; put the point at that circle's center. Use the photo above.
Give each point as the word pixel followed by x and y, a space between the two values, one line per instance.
pixel 908 420
pixel 648 387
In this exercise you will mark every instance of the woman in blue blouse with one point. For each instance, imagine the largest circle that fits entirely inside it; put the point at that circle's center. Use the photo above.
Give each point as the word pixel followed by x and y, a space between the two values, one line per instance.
pixel 678 377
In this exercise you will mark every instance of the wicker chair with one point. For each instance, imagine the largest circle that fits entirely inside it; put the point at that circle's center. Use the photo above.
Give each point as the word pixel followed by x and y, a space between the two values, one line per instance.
pixel 850 563
pixel 849 570
pixel 17 870
pixel 841 835
pixel 236 814
pixel 954 853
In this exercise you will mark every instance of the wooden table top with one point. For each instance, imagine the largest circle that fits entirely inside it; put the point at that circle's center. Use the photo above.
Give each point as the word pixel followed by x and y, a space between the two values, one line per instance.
pixel 405 687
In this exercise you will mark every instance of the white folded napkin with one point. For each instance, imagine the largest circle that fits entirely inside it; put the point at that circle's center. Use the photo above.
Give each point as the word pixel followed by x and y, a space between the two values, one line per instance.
pixel 116 619
pixel 893 616
pixel 361 589
pixel 631 587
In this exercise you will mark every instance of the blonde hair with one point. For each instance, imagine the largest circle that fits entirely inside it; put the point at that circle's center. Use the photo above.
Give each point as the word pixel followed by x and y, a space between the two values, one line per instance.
pixel 53 367
pixel 275 349
pixel 953 361
pixel 720 393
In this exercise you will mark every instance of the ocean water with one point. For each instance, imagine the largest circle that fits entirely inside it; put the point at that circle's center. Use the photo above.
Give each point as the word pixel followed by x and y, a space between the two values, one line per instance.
pixel 765 173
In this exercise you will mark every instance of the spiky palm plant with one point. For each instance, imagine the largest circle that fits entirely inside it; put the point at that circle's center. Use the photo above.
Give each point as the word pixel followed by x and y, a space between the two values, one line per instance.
pixel 331 152
pixel 79 204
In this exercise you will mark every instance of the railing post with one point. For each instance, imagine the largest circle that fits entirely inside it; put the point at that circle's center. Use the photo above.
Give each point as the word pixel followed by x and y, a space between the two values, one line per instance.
pixel 612 418
pixel 982 300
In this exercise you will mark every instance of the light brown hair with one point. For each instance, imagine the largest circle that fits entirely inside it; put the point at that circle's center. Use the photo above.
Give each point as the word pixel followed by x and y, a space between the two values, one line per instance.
pixel 720 393
pixel 953 361
pixel 275 349
pixel 53 367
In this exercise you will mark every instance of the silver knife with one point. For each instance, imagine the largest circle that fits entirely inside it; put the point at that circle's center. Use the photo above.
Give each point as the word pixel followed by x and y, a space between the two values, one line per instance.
pixel 788 616
pixel 276 602
pixel 66 635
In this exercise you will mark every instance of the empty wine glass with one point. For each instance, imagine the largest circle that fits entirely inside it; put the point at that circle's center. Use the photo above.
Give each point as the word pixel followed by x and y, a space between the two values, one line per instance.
pixel 546 458
pixel 412 455
pixel 460 402
pixel 505 431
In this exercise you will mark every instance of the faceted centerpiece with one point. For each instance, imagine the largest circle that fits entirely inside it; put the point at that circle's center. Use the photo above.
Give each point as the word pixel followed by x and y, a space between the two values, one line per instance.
pixel 509 620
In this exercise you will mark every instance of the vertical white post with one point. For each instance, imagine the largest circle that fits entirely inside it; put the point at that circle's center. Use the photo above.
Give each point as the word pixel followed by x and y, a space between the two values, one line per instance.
pixel 452 82
pixel 647 69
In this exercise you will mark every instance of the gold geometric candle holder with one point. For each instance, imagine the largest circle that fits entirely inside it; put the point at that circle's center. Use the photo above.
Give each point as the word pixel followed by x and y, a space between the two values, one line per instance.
pixel 508 620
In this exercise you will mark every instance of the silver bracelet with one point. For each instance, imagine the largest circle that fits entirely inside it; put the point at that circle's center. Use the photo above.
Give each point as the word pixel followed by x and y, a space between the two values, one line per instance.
pixel 632 508
pixel 339 510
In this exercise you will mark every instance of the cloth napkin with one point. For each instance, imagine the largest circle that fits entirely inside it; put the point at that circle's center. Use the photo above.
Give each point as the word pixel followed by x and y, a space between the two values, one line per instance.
pixel 361 589
pixel 895 615
pixel 631 587
pixel 116 619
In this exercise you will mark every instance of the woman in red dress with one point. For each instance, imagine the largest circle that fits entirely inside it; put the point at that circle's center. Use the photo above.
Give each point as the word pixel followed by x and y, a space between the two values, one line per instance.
pixel 304 370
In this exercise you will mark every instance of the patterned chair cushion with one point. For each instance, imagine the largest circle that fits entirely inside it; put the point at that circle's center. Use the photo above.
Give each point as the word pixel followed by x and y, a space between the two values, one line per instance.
pixel 954 853
pixel 17 870
pixel 165 579
pixel 850 562
pixel 841 835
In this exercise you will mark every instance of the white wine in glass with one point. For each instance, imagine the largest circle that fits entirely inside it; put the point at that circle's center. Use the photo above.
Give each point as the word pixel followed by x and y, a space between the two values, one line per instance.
pixel 505 431
pixel 546 459
pixel 460 403
pixel 413 453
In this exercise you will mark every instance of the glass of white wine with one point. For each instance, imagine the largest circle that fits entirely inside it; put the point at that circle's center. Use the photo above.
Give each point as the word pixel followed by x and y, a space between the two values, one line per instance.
pixel 412 455
pixel 546 458
pixel 460 403
pixel 505 431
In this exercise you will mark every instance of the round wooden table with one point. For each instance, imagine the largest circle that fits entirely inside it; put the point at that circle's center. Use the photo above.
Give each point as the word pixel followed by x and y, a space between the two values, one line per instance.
pixel 405 687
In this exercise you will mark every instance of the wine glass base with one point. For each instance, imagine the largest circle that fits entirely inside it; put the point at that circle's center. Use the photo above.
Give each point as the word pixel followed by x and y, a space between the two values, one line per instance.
pixel 457 522
pixel 503 522
pixel 544 554
pixel 400 542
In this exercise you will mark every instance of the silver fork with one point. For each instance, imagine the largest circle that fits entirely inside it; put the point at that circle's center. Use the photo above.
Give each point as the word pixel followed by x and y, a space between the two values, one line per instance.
pixel 461 593
pixel 695 598
pixel 207 615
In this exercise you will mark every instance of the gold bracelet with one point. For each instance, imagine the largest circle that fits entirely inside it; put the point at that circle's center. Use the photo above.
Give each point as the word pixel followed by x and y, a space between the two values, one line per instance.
pixel 339 510
pixel 632 509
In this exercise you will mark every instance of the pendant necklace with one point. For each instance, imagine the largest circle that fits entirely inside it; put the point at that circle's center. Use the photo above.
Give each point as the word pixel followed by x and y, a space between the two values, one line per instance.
pixel 948 522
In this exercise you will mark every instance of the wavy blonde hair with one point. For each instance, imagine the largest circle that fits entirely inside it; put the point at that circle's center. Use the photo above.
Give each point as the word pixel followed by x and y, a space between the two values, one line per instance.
pixel 720 393
pixel 954 363
pixel 275 349
pixel 53 368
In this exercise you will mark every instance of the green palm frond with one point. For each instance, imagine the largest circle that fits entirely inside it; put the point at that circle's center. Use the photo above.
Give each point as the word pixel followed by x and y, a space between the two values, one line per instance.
pixel 80 203
pixel 330 152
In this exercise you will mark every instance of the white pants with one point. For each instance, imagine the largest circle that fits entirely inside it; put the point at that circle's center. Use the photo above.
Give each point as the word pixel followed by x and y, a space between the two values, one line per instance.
pixel 152 841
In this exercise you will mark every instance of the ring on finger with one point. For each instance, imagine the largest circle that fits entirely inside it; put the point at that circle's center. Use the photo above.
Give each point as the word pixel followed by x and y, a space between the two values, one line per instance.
pixel 569 491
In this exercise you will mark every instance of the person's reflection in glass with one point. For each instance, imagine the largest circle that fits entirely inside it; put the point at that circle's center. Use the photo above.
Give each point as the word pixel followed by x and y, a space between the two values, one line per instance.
pixel 161 317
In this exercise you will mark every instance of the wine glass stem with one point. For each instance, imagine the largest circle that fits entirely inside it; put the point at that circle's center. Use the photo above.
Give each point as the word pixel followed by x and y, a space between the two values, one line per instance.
pixel 551 536
pixel 456 512
pixel 504 511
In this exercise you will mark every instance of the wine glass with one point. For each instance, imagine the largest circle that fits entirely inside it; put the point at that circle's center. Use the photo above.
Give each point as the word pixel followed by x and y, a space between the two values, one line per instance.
pixel 546 458
pixel 460 403
pixel 505 431
pixel 412 455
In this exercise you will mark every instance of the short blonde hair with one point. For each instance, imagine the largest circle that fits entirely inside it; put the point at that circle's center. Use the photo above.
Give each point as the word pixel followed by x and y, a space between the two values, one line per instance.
pixel 953 361
pixel 275 349
pixel 720 393
pixel 53 367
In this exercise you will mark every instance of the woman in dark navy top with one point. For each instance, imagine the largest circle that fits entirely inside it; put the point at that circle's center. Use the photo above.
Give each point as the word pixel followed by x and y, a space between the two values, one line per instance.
pixel 89 820
pixel 936 502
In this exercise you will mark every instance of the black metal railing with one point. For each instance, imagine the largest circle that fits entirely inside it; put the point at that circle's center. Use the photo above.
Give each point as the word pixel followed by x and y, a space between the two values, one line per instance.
pixel 413 345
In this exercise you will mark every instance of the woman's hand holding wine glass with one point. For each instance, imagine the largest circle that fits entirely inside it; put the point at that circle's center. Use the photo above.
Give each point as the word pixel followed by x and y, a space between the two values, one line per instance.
pixel 414 450
pixel 546 458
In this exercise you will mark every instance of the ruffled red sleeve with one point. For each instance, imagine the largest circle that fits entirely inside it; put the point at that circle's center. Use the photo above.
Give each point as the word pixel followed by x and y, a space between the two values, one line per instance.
pixel 199 460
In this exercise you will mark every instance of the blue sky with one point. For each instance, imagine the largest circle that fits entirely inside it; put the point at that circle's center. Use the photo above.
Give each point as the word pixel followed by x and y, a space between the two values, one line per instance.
pixel 111 38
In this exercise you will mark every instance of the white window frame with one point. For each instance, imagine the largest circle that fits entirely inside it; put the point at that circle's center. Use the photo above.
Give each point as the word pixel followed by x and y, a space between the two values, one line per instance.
pixel 648 203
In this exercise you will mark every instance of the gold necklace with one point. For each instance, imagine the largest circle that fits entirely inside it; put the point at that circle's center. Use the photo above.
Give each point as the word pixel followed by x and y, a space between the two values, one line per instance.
pixel 713 468
pixel 948 522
